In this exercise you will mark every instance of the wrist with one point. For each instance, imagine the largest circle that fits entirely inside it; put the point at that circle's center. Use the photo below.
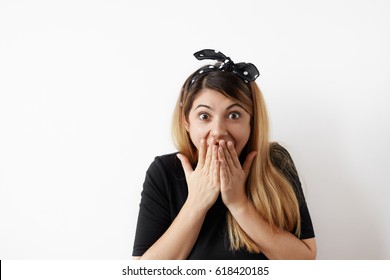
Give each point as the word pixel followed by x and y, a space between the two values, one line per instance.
pixel 194 209
pixel 239 208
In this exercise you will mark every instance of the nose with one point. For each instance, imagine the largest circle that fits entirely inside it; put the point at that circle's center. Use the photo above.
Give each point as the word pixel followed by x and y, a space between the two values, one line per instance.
pixel 218 130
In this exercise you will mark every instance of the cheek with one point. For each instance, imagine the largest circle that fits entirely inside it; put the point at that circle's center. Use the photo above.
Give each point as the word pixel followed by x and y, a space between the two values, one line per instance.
pixel 242 137
pixel 197 133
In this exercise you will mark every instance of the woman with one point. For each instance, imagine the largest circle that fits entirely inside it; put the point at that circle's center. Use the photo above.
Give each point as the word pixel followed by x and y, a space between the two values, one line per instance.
pixel 229 193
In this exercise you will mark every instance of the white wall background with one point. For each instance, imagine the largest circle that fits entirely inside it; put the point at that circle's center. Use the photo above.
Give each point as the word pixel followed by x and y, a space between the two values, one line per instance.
pixel 87 90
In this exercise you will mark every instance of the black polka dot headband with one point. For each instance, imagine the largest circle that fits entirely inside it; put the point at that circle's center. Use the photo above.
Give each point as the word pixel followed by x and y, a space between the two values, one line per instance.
pixel 246 71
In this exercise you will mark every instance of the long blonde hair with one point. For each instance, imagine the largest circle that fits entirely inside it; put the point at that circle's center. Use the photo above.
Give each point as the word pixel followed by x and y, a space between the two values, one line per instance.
pixel 270 192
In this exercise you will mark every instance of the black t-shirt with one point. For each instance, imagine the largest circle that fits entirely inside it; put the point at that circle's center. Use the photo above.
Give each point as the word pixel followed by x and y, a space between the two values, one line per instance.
pixel 164 193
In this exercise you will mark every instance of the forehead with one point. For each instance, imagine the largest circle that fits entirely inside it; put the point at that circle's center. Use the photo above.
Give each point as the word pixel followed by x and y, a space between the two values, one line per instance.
pixel 212 97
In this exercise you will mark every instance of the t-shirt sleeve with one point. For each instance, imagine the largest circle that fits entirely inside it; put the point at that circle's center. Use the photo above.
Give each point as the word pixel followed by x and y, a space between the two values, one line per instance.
pixel 154 214
pixel 287 167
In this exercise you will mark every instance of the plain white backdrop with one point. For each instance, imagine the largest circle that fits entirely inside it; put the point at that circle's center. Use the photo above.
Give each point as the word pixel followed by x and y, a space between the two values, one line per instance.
pixel 87 90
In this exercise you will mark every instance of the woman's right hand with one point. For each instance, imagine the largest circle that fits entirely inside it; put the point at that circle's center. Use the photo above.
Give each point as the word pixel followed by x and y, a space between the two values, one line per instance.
pixel 203 182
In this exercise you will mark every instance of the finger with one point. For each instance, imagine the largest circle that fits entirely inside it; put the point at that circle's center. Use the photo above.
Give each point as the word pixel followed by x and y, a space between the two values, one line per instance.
pixel 221 154
pixel 227 156
pixel 202 153
pixel 208 156
pixel 214 153
pixel 215 166
pixel 233 154
pixel 186 165
pixel 248 162
pixel 223 173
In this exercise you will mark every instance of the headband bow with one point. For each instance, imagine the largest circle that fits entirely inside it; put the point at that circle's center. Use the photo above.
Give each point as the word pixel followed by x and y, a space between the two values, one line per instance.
pixel 246 71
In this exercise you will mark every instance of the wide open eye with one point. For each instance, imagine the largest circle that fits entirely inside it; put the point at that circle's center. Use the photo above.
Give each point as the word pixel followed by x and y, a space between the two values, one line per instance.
pixel 234 115
pixel 203 116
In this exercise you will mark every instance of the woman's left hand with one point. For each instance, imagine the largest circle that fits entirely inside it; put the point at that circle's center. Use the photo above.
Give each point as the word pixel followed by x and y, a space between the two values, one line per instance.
pixel 233 176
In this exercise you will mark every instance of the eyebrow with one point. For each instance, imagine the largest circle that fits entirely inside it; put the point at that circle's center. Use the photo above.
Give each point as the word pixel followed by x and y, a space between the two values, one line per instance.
pixel 208 107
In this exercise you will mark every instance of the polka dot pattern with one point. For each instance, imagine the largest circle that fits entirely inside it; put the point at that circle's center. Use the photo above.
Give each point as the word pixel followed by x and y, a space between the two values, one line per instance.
pixel 246 71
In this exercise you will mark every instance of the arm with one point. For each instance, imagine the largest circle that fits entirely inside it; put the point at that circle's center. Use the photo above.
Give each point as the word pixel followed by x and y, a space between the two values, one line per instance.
pixel 203 190
pixel 275 245
pixel 178 240
pixel 279 244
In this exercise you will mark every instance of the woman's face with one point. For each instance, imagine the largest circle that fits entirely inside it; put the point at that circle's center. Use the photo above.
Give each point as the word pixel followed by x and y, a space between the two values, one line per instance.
pixel 214 117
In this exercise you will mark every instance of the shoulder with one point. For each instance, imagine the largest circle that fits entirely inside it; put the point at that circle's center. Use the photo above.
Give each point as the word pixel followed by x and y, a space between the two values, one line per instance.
pixel 166 164
pixel 165 183
pixel 166 160
pixel 280 157
pixel 282 160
